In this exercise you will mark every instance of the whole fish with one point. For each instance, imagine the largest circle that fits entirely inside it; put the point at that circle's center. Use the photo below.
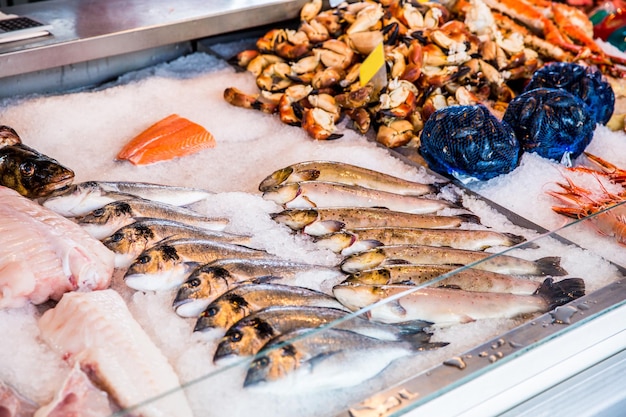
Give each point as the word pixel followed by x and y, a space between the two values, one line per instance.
pixel 467 279
pixel 130 240
pixel 444 306
pixel 343 173
pixel 306 360
pixel 31 173
pixel 79 199
pixel 166 265
pixel 209 281
pixel 248 335
pixel 104 221
pixel 323 220
pixel 308 194
pixel 245 299
pixel 454 238
pixel 441 255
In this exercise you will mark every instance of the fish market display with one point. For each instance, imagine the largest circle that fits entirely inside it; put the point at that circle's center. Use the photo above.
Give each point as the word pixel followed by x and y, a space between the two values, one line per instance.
pixel 131 240
pixel 213 279
pixel 332 171
pixel 436 255
pixel 27 171
pixel 166 265
pixel 327 359
pixel 104 221
pixel 97 331
pixel 445 306
pixel 247 336
pixel 436 55
pixel 248 298
pixel 44 255
pixel 320 221
pixel 329 194
pixel 79 199
pixel 606 211
pixel 171 137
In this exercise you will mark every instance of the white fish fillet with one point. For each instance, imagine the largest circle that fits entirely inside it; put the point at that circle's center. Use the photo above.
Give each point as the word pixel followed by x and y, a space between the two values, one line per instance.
pixel 44 255
pixel 97 330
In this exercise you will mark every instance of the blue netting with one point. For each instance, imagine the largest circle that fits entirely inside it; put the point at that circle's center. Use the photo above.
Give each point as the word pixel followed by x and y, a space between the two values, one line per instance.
pixel 588 83
pixel 468 141
pixel 551 122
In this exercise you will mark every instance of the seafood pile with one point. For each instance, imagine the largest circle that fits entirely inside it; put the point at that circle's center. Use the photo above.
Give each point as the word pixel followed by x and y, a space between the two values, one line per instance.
pixel 605 210
pixel 435 55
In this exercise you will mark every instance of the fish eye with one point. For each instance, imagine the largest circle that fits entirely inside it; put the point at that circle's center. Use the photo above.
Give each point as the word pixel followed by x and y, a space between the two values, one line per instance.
pixel 212 311
pixel 262 362
pixel 235 336
pixel 27 168
pixel 194 282
pixel 98 212
pixel 144 259
pixel 116 237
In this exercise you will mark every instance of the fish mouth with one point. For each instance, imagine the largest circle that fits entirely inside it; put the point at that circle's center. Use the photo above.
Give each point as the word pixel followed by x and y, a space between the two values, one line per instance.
pixel 275 179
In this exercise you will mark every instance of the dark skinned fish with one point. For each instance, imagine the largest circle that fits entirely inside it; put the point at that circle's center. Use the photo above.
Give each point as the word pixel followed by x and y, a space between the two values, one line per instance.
pixel 104 221
pixel 323 220
pixel 445 306
pixel 31 173
pixel 440 255
pixel 343 173
pixel 209 281
pixel 166 265
pixel 245 299
pixel 248 335
pixel 129 241
pixel 80 199
pixel 305 360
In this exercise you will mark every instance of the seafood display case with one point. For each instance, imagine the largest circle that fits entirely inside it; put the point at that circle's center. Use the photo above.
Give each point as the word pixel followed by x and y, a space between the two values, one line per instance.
pixel 549 338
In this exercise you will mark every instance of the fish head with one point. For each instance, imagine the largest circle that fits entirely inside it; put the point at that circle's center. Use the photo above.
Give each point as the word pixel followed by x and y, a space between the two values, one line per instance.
pixel 295 219
pixel 356 296
pixel 336 242
pixel 282 194
pixel 157 268
pixel 376 276
pixel 274 364
pixel 245 338
pixel 30 173
pixel 104 221
pixel 222 313
pixel 201 288
pixel 275 179
pixel 131 239
pixel 363 260
pixel 77 199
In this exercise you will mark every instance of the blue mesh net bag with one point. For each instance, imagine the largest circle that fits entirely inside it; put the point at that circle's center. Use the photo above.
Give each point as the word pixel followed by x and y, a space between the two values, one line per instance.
pixel 588 83
pixel 551 122
pixel 469 143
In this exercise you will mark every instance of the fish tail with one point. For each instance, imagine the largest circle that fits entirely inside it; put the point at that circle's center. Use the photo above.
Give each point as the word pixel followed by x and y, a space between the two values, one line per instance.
pixel 514 239
pixel 550 265
pixel 562 292
pixel 469 218
pixel 409 328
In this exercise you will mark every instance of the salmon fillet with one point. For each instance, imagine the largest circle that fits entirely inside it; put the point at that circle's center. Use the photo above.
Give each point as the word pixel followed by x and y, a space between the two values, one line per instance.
pixel 169 138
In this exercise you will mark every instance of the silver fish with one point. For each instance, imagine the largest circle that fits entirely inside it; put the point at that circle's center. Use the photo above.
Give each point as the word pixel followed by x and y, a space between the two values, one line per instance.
pixel 467 279
pixel 248 335
pixel 209 281
pixel 343 173
pixel 166 265
pixel 306 360
pixel 444 306
pixel 104 221
pixel 129 241
pixel 441 255
pixel 244 299
pixel 79 199
pixel 308 194
pixel 323 220
pixel 454 238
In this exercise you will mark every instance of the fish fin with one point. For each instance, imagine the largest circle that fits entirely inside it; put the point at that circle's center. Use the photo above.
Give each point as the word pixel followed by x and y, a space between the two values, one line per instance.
pixel 562 292
pixel 450 287
pixel 381 207
pixel 515 239
pixel 309 174
pixel 397 308
pixel 397 262
pixel 551 265
pixel 464 319
pixel 469 218
pixel 413 326
pixel 431 346
pixel 265 279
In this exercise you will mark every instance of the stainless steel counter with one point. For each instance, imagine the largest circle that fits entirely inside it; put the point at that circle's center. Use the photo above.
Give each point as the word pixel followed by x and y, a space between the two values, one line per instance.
pixel 98 40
